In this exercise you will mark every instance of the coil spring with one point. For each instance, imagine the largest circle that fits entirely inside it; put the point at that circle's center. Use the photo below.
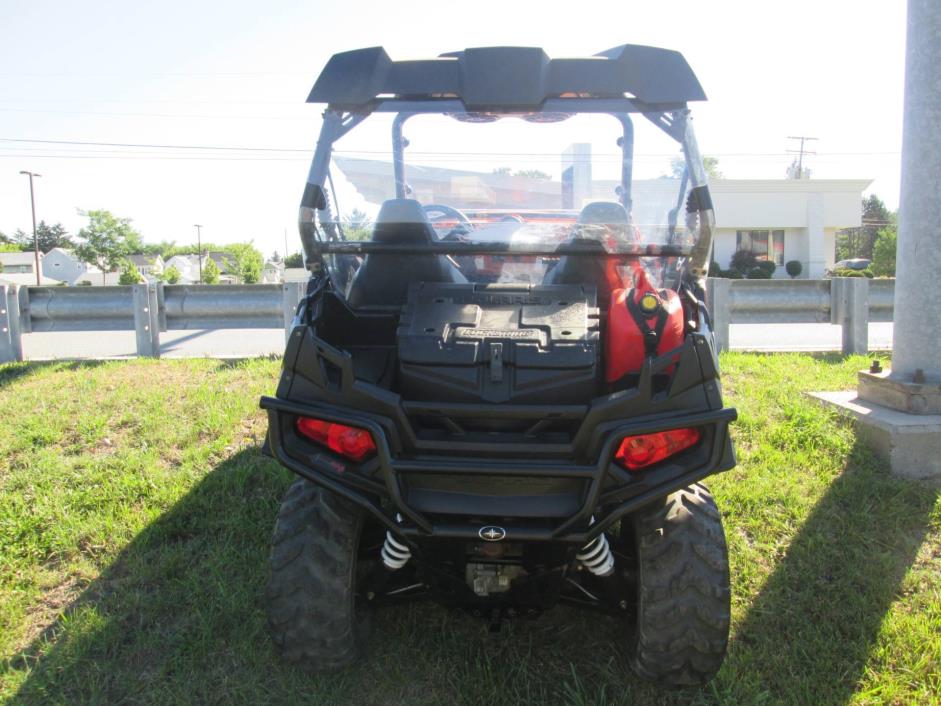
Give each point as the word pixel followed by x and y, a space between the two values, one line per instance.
pixel 395 555
pixel 596 556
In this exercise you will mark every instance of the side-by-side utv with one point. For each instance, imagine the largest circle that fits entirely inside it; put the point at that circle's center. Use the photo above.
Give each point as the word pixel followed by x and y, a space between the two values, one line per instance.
pixel 501 390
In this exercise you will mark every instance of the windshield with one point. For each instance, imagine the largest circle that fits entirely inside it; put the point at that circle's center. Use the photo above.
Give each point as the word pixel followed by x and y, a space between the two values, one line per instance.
pixel 504 197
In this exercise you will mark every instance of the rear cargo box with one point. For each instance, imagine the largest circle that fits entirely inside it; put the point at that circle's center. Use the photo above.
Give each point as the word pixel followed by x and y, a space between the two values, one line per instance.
pixel 499 343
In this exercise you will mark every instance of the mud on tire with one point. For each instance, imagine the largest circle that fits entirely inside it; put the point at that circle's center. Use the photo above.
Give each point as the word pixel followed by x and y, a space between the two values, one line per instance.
pixel 683 598
pixel 313 615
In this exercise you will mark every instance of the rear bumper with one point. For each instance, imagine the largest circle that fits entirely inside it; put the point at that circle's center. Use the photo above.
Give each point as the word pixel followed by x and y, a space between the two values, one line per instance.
pixel 386 485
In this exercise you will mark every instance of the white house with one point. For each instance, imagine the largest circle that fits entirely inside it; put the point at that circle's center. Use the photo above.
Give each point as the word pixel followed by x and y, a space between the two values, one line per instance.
pixel 20 268
pixel 186 265
pixel 62 265
pixel 148 265
pixel 785 219
pixel 272 272
pixel 295 274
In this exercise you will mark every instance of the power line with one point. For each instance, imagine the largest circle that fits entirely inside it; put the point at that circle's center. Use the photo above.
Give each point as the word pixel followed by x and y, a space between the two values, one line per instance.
pixel 309 150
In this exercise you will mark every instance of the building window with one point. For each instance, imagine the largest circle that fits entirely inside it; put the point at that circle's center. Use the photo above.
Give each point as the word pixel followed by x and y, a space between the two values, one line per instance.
pixel 763 244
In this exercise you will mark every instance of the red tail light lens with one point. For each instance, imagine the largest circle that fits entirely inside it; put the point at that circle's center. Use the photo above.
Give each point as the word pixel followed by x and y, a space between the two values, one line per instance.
pixel 350 442
pixel 636 452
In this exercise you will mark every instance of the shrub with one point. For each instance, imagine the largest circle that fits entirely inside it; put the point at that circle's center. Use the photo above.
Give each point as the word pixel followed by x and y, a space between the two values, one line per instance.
pixel 846 272
pixel 210 272
pixel 732 273
pixel 767 266
pixel 171 275
pixel 130 274
pixel 759 273
pixel 743 261
pixel 793 268
pixel 297 260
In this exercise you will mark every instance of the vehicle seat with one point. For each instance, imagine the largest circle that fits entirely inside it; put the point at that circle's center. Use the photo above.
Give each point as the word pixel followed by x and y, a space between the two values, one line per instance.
pixel 383 279
pixel 596 221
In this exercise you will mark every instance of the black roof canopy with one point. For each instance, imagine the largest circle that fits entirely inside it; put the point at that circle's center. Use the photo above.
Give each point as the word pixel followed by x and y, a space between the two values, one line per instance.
pixel 507 78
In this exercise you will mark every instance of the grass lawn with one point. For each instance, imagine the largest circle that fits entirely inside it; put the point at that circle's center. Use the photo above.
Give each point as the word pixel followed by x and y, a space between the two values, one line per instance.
pixel 135 512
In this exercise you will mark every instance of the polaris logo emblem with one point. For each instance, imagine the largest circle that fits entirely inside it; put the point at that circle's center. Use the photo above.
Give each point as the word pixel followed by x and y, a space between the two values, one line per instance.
pixel 491 533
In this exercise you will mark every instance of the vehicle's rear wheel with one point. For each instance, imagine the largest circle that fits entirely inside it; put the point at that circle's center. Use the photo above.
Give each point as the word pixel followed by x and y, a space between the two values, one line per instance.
pixel 683 597
pixel 314 617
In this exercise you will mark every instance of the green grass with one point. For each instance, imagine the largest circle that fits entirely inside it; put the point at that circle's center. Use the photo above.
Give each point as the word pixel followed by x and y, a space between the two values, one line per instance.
pixel 135 512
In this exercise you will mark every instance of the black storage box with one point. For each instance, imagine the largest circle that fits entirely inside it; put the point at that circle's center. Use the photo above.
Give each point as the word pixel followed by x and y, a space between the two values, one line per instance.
pixel 499 343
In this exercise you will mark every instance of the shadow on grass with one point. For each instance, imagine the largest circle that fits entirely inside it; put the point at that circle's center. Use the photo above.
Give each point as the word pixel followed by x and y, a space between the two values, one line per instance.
pixel 808 633
pixel 178 617
pixel 13 372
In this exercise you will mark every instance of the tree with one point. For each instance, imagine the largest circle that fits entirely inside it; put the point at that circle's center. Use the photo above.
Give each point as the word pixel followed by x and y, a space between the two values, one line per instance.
pixel 171 275
pixel 710 164
pixel 502 171
pixel 537 174
pixel 210 272
pixel 49 237
pixel 247 262
pixel 130 274
pixel 883 253
pixel 859 242
pixel 357 225
pixel 108 240
pixel 294 260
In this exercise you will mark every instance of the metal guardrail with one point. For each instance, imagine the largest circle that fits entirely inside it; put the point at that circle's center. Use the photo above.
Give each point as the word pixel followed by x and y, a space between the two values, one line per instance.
pixel 149 309
pixel 850 302
pixel 146 309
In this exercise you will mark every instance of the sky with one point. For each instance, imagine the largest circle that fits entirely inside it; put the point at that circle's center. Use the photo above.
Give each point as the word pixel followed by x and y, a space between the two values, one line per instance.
pixel 231 79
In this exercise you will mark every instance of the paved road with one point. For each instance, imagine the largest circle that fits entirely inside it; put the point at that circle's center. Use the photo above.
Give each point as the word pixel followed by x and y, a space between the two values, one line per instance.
pixel 242 343
pixel 194 343
pixel 801 337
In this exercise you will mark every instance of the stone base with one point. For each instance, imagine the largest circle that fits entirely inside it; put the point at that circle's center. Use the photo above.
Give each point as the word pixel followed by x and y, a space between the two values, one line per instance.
pixel 887 390
pixel 911 443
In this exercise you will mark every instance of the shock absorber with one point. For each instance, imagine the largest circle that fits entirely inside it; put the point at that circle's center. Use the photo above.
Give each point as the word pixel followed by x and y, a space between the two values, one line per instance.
pixel 596 556
pixel 395 555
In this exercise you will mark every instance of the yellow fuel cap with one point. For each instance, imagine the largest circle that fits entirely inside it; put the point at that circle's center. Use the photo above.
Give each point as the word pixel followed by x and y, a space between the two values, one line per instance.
pixel 649 303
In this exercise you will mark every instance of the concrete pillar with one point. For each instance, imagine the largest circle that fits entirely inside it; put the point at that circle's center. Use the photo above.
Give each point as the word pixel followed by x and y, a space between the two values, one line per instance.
pixel 917 334
pixel 849 308
pixel 899 411
pixel 816 237
pixel 719 304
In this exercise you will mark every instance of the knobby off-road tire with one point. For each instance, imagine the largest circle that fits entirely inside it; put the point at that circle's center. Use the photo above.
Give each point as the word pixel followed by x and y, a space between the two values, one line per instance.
pixel 313 615
pixel 683 596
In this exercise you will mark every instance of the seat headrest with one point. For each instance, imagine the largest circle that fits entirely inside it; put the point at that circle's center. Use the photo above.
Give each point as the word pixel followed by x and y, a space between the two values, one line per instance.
pixel 402 221
pixel 603 213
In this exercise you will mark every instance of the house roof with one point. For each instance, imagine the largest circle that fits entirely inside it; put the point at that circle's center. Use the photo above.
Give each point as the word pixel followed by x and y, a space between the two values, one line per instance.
pixel 19 258
pixel 224 260
pixel 144 260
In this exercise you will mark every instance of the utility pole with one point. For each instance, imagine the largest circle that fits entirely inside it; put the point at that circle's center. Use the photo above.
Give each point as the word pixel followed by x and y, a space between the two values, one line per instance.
pixel 32 203
pixel 199 250
pixel 800 159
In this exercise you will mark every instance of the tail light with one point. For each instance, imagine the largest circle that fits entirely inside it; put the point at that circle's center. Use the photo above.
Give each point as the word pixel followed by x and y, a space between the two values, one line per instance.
pixel 636 452
pixel 350 442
